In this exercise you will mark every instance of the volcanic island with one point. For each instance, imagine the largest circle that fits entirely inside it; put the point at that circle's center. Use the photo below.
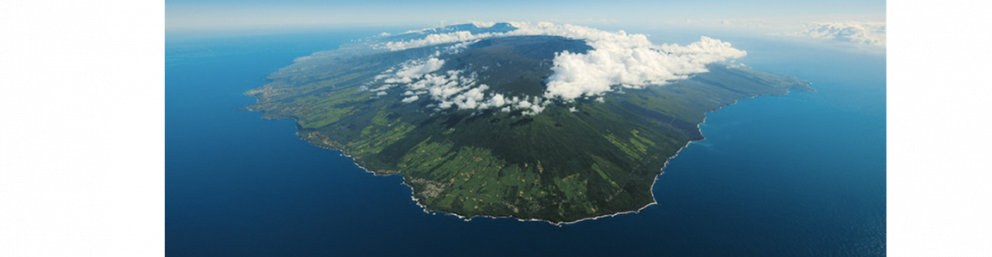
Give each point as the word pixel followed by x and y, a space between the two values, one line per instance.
pixel 557 123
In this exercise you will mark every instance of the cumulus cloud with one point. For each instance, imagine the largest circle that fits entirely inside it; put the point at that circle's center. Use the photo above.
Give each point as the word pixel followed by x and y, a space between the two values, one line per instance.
pixel 410 99
pixel 414 70
pixel 617 60
pixel 627 60
pixel 867 33
pixel 497 101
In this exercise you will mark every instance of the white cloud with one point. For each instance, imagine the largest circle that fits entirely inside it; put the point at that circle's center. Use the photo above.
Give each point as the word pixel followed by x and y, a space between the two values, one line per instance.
pixel 617 60
pixel 497 101
pixel 524 104
pixel 415 69
pixel 410 99
pixel 631 62
pixel 867 33
pixel 537 108
pixel 471 98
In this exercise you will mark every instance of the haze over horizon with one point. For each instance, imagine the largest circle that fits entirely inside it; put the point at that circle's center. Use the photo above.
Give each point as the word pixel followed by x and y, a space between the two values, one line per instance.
pixel 863 24
pixel 761 15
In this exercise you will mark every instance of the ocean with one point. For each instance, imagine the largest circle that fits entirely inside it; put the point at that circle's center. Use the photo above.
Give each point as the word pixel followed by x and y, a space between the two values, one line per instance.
pixel 796 175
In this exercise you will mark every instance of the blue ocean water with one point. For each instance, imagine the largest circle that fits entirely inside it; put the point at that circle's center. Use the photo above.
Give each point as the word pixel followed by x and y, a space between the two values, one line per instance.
pixel 796 175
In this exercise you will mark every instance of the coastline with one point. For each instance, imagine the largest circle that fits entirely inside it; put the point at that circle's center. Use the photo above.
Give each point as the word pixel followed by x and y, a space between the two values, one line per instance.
pixel 654 200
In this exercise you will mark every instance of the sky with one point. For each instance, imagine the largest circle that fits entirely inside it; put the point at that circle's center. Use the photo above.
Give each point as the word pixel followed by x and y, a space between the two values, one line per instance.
pixel 205 15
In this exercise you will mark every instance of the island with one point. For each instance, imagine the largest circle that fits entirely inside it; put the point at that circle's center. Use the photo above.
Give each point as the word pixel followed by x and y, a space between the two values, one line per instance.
pixel 556 123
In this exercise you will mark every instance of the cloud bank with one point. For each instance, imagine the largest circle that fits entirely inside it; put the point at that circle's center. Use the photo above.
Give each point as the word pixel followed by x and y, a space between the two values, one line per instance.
pixel 617 60
pixel 631 62
pixel 867 33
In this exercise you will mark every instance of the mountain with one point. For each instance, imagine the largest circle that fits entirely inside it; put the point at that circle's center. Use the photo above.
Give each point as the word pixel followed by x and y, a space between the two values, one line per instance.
pixel 479 120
